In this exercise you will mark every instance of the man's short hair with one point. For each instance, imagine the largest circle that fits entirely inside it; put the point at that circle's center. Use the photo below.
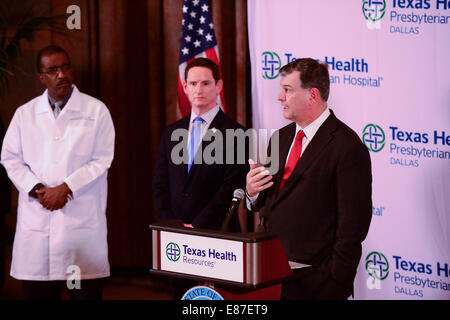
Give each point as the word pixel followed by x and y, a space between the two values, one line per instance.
pixel 204 62
pixel 47 51
pixel 312 75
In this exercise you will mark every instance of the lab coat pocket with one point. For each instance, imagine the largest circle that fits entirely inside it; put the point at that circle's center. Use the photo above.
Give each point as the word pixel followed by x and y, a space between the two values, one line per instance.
pixel 81 135
pixel 82 213
pixel 32 216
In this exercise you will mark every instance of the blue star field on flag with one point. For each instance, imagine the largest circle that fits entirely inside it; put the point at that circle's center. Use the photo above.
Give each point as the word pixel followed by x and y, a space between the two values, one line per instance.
pixel 198 29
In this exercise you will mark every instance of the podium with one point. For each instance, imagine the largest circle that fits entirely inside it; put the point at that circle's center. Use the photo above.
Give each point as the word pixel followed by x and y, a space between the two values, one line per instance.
pixel 248 265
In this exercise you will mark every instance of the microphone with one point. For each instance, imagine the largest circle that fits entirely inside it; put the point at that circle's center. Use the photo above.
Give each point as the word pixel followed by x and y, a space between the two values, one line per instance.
pixel 238 195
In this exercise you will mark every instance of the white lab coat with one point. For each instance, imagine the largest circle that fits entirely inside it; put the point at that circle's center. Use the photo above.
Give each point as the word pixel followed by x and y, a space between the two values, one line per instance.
pixel 76 148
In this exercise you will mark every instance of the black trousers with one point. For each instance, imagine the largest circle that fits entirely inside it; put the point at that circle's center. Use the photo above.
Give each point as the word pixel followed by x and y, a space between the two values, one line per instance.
pixel 91 289
pixel 311 284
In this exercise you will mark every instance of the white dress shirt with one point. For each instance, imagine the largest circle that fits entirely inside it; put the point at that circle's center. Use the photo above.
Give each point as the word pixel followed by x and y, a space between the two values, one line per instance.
pixel 208 117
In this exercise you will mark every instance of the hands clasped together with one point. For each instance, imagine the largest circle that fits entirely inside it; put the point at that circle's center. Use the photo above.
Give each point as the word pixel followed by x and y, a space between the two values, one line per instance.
pixel 54 198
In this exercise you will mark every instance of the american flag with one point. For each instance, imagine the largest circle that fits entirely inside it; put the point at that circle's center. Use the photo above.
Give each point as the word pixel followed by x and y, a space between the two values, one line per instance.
pixel 198 40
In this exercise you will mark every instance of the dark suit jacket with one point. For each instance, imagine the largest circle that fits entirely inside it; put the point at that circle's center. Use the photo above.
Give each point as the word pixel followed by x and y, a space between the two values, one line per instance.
pixel 324 211
pixel 202 197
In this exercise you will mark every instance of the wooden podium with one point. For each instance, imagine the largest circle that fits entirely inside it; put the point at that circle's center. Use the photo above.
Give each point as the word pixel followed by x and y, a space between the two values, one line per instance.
pixel 241 266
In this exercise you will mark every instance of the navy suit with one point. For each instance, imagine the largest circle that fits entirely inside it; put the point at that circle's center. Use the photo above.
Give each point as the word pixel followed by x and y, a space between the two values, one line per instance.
pixel 202 196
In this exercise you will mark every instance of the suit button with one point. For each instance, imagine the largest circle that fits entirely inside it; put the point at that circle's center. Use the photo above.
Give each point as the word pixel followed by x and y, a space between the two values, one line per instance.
pixel 185 194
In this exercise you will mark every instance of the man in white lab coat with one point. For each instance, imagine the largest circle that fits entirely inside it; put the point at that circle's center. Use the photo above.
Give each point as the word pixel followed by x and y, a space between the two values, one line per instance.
pixel 57 152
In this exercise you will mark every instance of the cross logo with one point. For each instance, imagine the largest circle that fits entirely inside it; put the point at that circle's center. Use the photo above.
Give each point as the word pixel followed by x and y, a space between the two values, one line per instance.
pixel 377 266
pixel 173 252
pixel 373 137
pixel 374 11
pixel 271 64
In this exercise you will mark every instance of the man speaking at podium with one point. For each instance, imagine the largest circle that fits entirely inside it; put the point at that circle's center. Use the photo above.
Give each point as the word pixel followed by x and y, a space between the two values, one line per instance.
pixel 319 202
pixel 197 193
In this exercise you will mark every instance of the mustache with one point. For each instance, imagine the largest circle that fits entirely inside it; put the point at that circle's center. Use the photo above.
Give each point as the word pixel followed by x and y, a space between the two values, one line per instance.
pixel 63 81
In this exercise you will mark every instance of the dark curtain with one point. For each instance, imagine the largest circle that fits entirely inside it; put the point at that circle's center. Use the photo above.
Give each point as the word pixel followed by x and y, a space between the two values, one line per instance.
pixel 126 54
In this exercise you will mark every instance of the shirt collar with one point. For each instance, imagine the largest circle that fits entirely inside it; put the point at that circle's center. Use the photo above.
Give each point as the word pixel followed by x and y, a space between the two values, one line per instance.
pixel 62 102
pixel 207 116
pixel 73 102
pixel 311 129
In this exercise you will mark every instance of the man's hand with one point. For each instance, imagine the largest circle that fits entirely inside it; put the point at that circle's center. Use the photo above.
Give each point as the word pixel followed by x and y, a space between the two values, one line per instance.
pixel 54 198
pixel 258 179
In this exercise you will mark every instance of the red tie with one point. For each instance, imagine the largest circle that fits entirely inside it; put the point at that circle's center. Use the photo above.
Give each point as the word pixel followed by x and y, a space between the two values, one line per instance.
pixel 293 157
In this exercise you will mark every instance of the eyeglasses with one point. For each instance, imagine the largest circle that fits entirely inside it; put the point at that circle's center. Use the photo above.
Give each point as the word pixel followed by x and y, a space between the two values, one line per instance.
pixel 54 70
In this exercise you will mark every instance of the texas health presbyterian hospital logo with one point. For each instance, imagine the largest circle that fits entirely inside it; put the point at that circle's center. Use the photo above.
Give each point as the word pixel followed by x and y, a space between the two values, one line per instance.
pixel 408 147
pixel 373 137
pixel 271 64
pixel 377 266
pixel 374 11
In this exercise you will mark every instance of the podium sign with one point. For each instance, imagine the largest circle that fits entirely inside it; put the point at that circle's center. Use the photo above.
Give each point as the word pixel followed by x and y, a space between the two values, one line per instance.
pixel 202 256
pixel 246 260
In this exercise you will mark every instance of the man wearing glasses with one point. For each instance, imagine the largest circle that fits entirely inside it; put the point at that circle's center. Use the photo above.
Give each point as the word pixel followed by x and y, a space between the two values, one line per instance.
pixel 57 152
